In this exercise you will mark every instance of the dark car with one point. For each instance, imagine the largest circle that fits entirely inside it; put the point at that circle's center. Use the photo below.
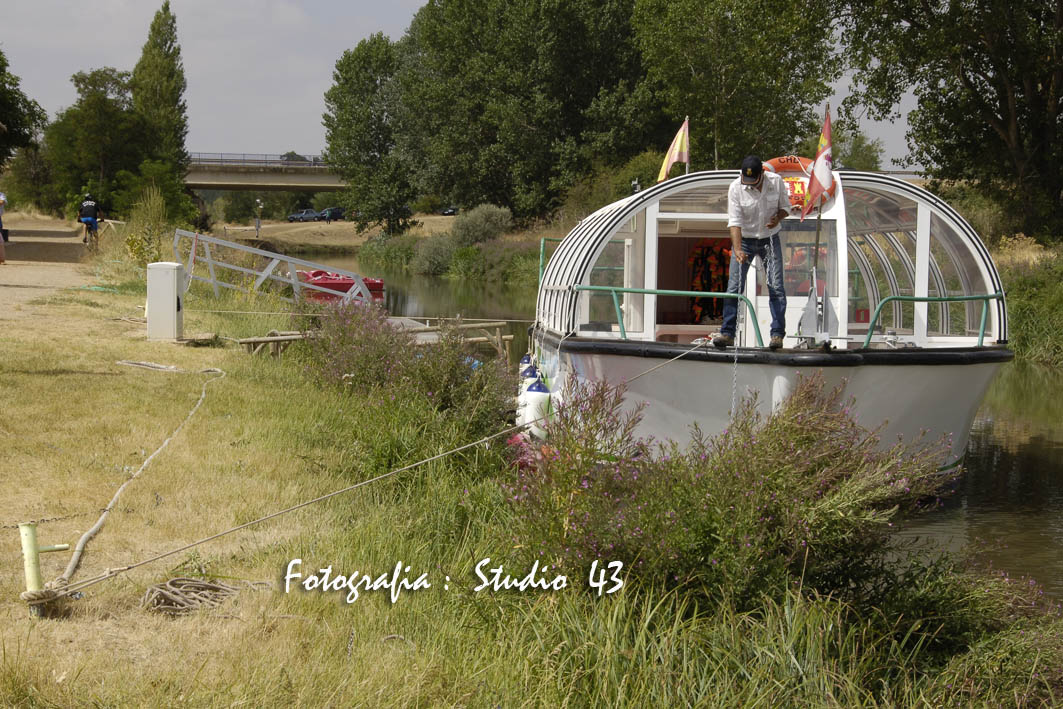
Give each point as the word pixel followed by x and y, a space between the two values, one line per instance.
pixel 305 215
pixel 330 213
pixel 449 211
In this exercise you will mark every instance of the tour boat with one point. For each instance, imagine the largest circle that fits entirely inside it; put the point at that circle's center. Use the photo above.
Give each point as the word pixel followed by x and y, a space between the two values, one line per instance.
pixel 907 311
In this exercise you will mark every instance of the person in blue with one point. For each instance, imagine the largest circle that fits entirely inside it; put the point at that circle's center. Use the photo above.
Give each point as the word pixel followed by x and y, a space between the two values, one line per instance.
pixel 90 215
pixel 757 202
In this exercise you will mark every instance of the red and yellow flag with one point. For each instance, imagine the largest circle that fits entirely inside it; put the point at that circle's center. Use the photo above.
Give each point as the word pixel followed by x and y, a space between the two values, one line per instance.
pixel 679 151
pixel 821 179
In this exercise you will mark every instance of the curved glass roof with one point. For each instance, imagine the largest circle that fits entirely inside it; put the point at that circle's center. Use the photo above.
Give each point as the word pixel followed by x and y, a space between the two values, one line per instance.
pixel 900 240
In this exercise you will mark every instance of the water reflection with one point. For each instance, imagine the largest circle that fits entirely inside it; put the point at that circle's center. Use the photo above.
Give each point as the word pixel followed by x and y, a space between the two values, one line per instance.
pixel 429 297
pixel 1009 502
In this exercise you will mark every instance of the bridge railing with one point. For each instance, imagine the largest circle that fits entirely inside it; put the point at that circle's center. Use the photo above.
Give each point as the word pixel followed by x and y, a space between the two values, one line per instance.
pixel 256 159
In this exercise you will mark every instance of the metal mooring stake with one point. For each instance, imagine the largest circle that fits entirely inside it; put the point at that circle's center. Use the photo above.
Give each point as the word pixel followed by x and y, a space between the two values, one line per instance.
pixel 31 560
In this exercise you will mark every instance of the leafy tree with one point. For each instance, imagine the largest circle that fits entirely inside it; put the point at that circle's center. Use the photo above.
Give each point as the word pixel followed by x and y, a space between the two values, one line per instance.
pixel 497 96
pixel 988 77
pixel 158 87
pixel 747 72
pixel 361 133
pixel 20 116
pixel 849 147
pixel 91 141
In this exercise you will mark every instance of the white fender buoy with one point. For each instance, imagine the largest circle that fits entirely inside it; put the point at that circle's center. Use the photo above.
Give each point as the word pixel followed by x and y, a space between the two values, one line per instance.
pixel 537 408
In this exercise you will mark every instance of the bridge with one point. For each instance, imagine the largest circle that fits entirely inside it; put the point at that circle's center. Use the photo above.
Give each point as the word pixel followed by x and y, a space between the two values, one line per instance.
pixel 247 171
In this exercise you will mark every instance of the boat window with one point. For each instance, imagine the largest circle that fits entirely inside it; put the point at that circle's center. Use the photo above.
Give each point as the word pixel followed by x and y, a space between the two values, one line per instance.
pixel 711 199
pixel 882 229
pixel 798 241
pixel 621 264
pixel 961 276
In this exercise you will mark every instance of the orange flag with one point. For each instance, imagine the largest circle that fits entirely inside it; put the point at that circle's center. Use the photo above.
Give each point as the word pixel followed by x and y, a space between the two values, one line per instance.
pixel 822 178
pixel 679 151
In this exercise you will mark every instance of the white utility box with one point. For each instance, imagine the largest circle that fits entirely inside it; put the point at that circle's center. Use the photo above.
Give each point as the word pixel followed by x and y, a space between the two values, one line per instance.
pixel 165 285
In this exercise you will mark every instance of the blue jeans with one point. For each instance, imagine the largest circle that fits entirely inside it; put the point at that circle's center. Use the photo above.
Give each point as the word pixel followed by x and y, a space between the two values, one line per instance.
pixel 770 252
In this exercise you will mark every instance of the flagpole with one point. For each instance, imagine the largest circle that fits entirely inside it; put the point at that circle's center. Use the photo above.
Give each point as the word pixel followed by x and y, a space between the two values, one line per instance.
pixel 686 120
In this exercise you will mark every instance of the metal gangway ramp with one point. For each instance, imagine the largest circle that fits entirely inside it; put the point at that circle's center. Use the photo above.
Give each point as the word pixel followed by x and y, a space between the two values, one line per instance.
pixel 249 270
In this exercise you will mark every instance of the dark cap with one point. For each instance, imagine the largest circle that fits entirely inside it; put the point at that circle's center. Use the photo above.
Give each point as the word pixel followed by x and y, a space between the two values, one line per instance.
pixel 752 168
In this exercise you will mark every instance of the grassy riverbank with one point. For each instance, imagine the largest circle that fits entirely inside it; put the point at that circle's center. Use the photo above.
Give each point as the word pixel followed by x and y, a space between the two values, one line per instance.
pixel 825 614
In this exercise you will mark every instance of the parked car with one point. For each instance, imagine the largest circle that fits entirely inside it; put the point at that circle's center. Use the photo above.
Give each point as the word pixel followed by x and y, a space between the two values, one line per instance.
pixel 449 211
pixel 330 213
pixel 305 215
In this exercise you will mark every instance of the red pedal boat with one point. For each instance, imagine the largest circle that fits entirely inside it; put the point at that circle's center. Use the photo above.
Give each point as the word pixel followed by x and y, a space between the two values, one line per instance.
pixel 339 283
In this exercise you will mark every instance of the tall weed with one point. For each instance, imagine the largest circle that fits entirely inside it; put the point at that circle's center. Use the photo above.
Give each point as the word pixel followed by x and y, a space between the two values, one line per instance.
pixel 148 225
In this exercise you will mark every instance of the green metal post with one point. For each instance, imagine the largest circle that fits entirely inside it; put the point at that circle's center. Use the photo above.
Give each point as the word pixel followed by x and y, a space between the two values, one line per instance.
pixel 619 316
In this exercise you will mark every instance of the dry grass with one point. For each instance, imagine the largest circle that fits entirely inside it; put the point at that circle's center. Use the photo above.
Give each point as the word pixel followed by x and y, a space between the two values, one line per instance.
pixel 1019 251
pixel 337 237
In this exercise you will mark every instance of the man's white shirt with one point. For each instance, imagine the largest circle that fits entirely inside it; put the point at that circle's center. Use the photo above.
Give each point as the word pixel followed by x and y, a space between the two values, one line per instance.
pixel 750 208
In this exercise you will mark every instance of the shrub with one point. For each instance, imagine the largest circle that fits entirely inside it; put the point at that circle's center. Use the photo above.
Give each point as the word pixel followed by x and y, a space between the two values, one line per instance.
pixel 514 263
pixel 467 263
pixel 1035 306
pixel 428 204
pixel 804 493
pixel 357 348
pixel 392 252
pixel 432 255
pixel 481 224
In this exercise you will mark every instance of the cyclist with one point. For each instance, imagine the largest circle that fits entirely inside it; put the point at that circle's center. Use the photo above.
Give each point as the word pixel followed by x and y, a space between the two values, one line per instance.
pixel 89 214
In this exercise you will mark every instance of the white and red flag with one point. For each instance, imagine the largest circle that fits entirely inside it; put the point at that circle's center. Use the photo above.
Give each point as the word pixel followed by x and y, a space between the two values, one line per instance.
pixel 821 179
pixel 679 151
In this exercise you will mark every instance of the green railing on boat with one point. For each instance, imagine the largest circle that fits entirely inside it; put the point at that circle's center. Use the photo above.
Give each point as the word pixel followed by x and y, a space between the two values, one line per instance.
pixel 985 298
pixel 687 293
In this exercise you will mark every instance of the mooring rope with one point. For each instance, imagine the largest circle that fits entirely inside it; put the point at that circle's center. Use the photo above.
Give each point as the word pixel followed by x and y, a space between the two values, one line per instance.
pixel 63 581
pixel 59 589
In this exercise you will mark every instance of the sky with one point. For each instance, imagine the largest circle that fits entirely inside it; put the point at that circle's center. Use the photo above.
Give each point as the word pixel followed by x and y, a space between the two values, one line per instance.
pixel 257 70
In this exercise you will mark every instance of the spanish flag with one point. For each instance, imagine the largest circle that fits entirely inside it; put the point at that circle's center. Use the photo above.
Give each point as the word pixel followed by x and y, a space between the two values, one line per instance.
pixel 678 152
pixel 821 179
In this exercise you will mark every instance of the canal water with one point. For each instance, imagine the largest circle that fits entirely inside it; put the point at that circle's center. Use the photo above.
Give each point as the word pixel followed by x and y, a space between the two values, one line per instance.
pixel 1007 508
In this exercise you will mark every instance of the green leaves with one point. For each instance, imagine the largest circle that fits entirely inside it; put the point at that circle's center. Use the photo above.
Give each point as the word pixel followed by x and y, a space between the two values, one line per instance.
pixel 988 77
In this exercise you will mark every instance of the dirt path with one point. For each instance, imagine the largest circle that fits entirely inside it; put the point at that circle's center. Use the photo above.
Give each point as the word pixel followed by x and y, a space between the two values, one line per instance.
pixel 43 256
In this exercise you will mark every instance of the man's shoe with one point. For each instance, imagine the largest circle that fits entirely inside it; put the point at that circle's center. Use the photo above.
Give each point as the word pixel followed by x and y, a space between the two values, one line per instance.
pixel 723 340
pixel 775 343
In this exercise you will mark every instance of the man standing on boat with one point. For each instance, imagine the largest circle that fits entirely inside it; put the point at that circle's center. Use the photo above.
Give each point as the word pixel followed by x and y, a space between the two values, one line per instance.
pixel 757 202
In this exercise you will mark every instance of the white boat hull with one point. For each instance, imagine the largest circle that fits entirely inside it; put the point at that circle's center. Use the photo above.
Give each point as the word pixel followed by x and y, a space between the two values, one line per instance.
pixel 907 400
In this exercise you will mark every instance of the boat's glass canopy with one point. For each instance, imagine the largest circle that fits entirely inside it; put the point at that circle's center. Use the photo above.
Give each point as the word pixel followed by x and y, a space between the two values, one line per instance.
pixel 635 268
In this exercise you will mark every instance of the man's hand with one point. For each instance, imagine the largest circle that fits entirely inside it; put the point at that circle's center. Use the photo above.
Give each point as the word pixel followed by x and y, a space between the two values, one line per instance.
pixel 741 256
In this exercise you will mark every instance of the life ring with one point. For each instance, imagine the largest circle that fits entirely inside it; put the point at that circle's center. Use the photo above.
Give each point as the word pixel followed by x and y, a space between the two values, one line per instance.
pixel 803 166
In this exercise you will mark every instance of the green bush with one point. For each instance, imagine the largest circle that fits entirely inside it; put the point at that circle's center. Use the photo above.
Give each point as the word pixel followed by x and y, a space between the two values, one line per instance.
pixel 467 263
pixel 390 252
pixel 606 184
pixel 428 204
pixel 987 215
pixel 513 263
pixel 803 494
pixel 481 224
pixel 357 348
pixel 1035 307
pixel 432 256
